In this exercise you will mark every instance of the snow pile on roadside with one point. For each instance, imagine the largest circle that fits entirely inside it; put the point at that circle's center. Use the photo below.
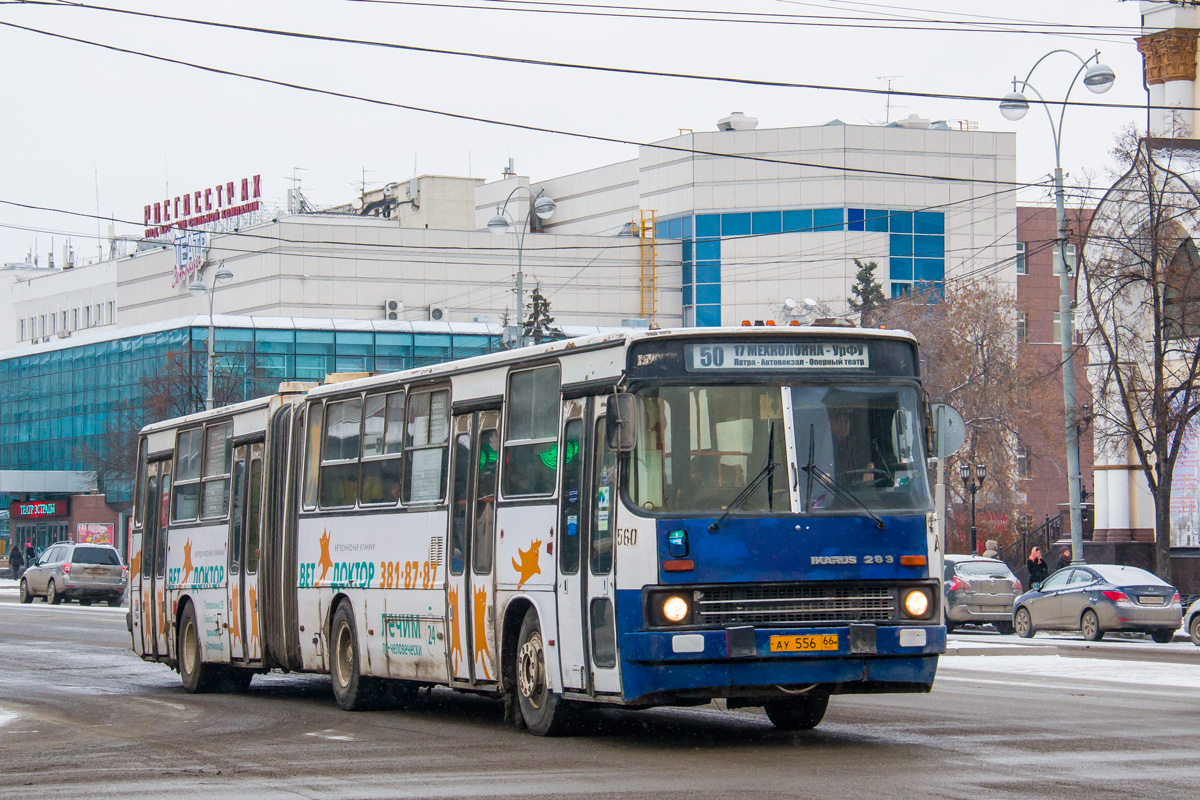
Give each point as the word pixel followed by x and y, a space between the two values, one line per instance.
pixel 7 583
pixel 1143 673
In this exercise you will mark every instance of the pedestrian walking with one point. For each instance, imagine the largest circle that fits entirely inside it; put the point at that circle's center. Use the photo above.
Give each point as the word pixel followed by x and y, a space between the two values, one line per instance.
pixel 16 561
pixel 30 555
pixel 1038 568
pixel 1064 558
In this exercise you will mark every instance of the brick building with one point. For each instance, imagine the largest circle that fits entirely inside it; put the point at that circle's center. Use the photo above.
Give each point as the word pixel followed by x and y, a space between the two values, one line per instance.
pixel 1042 466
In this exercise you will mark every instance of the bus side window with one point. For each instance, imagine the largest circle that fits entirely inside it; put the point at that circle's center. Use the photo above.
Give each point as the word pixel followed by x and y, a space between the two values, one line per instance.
pixel 427 444
pixel 531 432
pixel 339 455
pixel 485 503
pixel 150 520
pixel 188 445
pixel 382 445
pixel 571 500
pixel 254 505
pixel 218 455
pixel 605 487
pixel 312 455
pixel 458 514
pixel 139 493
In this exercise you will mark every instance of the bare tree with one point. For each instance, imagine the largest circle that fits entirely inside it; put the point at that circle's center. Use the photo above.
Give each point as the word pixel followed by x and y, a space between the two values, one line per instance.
pixel 175 388
pixel 971 359
pixel 1140 281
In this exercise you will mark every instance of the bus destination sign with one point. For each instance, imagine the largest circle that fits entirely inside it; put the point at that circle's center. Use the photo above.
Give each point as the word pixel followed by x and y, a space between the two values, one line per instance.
pixel 777 355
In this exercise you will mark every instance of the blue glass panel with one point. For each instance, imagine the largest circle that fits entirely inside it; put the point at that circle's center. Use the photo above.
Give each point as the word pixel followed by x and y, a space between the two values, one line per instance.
pixel 900 269
pixel 929 246
pixel 466 346
pixel 797 220
pixel 901 289
pixel 708 316
pixel 675 229
pixel 902 222
pixel 314 342
pixel 854 219
pixel 687 250
pixel 687 274
pixel 828 219
pixel 687 294
pixel 929 222
pixel 708 225
pixel 354 343
pixel 660 230
pixel 928 269
pixel 708 249
pixel 707 293
pixel 900 245
pixel 708 272
pixel 687 227
pixel 735 224
pixel 767 221
pixel 268 341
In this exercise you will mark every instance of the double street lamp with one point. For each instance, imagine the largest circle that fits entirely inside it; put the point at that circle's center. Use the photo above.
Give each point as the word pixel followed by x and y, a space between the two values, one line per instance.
pixel 972 483
pixel 1098 78
pixel 542 207
pixel 199 288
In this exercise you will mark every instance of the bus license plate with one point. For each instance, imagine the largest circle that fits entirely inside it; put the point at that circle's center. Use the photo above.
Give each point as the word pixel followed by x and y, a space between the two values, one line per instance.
pixel 804 644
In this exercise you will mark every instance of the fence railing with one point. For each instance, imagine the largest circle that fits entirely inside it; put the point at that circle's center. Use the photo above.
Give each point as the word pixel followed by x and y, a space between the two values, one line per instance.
pixel 1016 555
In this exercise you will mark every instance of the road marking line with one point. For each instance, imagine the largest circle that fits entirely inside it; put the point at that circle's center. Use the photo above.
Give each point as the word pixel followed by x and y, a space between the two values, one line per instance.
pixel 329 734
pixel 175 706
pixel 1059 687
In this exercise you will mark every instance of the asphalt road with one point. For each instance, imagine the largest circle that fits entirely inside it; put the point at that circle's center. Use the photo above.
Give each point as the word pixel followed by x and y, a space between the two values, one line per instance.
pixel 81 716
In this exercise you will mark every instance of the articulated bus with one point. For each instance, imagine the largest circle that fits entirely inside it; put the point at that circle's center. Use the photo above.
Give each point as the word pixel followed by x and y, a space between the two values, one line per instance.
pixel 635 519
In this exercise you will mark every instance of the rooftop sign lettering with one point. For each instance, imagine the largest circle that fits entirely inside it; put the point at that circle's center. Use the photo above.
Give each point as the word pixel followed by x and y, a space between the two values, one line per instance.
pixel 203 206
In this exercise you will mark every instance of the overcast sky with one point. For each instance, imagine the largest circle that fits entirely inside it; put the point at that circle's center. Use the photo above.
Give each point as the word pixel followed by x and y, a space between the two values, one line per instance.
pixel 86 129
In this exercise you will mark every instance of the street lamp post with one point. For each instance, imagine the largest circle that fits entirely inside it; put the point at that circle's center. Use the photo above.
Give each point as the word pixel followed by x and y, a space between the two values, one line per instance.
pixel 199 288
pixel 1098 78
pixel 972 484
pixel 499 224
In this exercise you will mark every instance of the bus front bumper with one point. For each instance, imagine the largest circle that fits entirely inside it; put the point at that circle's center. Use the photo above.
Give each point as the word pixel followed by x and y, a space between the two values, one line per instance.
pixel 662 666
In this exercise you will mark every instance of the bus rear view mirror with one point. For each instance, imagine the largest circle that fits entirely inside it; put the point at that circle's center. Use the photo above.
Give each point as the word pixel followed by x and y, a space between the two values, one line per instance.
pixel 620 428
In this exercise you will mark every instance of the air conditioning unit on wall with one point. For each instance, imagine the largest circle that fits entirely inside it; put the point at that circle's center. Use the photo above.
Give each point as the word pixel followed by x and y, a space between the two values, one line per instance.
pixel 392 309
pixel 439 314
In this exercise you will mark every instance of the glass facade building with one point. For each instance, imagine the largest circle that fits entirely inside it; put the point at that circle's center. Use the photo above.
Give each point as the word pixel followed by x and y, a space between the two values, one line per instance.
pixel 59 404
pixel 916 246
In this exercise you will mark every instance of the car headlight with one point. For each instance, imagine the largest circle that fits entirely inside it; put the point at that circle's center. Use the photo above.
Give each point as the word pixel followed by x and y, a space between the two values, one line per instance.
pixel 916 603
pixel 675 608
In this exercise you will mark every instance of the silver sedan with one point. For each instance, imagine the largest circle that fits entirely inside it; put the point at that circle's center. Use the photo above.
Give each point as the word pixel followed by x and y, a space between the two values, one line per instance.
pixel 1098 598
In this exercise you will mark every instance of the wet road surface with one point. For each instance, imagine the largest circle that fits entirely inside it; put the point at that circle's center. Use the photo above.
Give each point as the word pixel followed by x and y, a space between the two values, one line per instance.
pixel 82 717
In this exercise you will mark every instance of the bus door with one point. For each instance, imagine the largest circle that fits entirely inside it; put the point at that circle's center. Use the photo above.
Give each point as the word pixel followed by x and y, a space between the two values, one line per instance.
pixel 152 616
pixel 470 568
pixel 245 535
pixel 587 524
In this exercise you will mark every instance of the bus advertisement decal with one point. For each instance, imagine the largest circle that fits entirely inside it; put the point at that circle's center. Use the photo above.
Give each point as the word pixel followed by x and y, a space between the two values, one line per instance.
pixel 408 635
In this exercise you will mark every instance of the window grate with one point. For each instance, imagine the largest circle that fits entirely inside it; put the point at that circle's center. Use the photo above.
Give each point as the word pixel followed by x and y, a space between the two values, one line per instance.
pixel 793 603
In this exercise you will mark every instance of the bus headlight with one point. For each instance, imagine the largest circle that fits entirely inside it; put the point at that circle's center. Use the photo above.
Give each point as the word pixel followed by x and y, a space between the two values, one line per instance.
pixel 916 603
pixel 675 608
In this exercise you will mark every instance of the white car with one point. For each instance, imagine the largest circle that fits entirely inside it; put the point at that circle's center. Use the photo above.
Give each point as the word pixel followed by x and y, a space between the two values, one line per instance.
pixel 1191 622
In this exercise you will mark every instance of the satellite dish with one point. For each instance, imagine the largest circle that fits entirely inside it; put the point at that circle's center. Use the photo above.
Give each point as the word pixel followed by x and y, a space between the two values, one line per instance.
pixel 789 304
pixel 808 301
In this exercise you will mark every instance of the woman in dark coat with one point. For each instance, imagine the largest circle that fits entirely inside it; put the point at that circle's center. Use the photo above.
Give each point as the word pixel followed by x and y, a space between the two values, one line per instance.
pixel 1038 568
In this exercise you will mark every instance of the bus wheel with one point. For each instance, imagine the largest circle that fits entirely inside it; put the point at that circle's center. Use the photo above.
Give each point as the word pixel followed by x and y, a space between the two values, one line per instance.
pixel 797 714
pixel 197 676
pixel 352 691
pixel 545 712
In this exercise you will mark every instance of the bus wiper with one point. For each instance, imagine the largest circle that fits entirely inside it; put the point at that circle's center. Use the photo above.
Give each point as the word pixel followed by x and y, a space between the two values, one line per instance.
pixel 812 461
pixel 823 477
pixel 764 474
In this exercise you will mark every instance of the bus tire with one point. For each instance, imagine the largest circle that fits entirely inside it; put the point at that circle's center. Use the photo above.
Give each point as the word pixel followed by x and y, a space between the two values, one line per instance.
pixel 797 713
pixel 352 690
pixel 197 677
pixel 544 711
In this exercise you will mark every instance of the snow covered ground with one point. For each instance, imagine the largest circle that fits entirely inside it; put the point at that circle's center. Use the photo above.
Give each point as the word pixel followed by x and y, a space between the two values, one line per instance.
pixel 1142 673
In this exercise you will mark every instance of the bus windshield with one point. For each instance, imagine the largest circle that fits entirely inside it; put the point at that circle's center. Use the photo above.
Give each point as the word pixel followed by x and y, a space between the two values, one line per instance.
pixel 700 446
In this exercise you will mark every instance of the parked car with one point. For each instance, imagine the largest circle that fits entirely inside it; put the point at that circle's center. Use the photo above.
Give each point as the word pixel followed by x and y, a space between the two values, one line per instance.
pixel 1098 598
pixel 1191 622
pixel 979 591
pixel 83 572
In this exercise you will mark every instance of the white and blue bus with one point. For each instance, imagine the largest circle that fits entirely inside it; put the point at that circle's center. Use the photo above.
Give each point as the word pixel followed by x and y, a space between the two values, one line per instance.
pixel 633 519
